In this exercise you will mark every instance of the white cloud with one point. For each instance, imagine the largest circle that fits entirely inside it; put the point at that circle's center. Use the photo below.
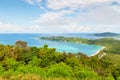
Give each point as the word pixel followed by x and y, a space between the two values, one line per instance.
pixel 101 17
pixel 94 15
pixel 74 4
pixel 116 8
pixel 8 28
pixel 33 1
pixel 102 14
pixel 54 18
pixel 5 27
pixel 58 22
pixel 105 14
pixel 105 28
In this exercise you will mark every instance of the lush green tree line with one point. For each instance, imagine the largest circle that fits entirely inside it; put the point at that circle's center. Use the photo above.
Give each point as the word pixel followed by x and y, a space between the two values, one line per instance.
pixel 26 63
pixel 112 45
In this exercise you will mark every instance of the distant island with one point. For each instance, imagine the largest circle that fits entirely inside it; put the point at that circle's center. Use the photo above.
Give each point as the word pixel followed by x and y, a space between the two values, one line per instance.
pixel 106 34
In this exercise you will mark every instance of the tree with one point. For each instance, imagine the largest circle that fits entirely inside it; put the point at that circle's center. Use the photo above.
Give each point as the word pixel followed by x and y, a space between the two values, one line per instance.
pixel 84 73
pixel 1 70
pixel 21 44
pixel 60 70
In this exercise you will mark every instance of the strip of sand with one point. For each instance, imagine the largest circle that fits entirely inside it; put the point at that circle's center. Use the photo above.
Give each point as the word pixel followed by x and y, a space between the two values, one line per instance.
pixel 97 52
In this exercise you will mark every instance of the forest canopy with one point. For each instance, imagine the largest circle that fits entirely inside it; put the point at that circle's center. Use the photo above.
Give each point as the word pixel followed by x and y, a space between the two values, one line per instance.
pixel 20 61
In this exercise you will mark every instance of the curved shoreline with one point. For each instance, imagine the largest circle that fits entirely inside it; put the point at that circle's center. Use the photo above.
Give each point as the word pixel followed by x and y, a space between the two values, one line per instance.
pixel 97 52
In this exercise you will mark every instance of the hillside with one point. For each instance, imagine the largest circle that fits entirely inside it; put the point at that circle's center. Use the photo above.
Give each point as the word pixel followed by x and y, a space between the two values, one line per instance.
pixel 106 34
pixel 112 45
pixel 20 62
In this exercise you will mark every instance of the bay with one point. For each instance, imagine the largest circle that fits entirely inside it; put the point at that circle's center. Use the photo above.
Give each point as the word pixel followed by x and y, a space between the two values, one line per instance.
pixel 32 40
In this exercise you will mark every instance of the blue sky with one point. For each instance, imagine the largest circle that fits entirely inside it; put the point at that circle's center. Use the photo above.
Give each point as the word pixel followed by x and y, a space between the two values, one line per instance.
pixel 59 16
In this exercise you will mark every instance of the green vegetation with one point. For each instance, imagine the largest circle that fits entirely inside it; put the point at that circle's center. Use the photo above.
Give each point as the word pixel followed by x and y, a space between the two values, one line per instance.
pixel 19 62
pixel 111 45
pixel 66 39
pixel 106 34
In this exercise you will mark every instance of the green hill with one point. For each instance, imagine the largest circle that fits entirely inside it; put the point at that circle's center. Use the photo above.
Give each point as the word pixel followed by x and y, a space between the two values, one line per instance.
pixel 106 34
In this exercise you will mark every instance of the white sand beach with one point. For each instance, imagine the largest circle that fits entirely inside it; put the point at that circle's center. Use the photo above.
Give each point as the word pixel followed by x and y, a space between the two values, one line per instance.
pixel 98 52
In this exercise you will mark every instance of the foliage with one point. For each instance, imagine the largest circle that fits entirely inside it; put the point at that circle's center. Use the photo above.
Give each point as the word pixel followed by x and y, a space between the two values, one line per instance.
pixel 33 77
pixel 1 69
pixel 111 45
pixel 60 70
pixel 26 63
pixel 21 44
pixel 84 73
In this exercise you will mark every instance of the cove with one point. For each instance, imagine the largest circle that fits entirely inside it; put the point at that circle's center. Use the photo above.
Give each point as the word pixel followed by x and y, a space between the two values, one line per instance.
pixel 87 49
pixel 67 47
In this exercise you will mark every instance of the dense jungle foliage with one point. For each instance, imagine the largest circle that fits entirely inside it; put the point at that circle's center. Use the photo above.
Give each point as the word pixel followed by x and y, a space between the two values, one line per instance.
pixel 19 62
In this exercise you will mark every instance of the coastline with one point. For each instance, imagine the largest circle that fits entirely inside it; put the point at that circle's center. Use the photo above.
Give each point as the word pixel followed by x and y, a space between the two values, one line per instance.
pixel 97 52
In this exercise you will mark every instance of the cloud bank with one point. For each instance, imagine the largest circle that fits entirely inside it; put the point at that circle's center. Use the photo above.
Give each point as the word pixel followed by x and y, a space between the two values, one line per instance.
pixel 72 16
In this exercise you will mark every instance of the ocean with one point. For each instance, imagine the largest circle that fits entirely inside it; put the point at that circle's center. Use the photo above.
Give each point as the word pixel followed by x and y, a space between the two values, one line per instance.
pixel 32 40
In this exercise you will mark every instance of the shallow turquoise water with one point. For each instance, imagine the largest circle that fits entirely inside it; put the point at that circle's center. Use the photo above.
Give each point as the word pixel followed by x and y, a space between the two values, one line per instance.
pixel 75 48
pixel 60 46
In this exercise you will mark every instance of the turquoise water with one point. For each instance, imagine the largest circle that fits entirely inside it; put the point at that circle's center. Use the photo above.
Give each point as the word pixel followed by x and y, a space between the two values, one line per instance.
pixel 33 40
pixel 74 47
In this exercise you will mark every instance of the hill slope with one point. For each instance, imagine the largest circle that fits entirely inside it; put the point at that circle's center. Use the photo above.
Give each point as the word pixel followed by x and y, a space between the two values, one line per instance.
pixel 106 34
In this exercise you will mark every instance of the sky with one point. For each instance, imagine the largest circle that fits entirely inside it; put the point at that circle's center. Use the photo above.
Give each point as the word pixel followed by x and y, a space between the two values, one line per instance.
pixel 59 16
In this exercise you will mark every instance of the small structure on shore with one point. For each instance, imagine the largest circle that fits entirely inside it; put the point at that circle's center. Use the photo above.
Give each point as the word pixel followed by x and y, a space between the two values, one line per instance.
pixel 100 56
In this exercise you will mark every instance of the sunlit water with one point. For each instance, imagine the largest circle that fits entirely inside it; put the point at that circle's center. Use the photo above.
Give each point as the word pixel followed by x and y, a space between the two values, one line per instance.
pixel 32 40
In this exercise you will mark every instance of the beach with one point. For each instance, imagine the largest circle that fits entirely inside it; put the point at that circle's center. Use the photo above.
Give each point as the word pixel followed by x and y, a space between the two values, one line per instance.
pixel 98 52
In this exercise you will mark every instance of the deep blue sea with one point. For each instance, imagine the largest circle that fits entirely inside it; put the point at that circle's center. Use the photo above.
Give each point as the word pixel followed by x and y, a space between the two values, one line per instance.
pixel 32 40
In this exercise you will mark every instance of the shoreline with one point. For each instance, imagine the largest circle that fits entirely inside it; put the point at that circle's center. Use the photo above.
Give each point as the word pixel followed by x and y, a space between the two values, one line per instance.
pixel 97 52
